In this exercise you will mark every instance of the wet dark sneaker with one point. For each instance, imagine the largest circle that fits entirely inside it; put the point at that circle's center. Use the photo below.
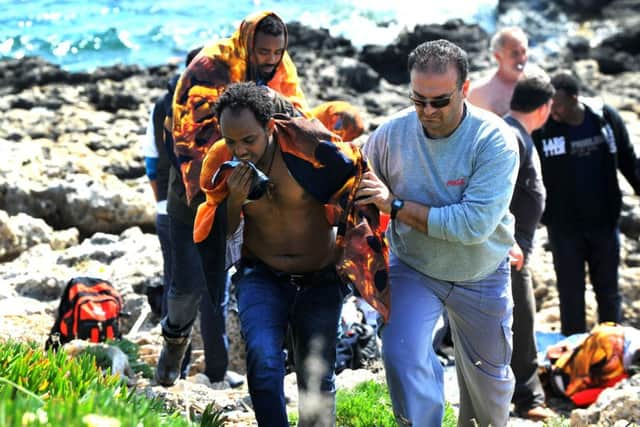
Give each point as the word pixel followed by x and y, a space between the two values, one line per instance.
pixel 170 360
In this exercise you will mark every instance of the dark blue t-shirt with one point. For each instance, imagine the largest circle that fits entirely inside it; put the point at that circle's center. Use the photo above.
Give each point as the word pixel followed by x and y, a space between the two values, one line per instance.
pixel 589 152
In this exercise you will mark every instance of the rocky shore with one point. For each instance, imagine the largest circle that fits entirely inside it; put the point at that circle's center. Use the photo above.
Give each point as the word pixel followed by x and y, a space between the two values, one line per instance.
pixel 74 199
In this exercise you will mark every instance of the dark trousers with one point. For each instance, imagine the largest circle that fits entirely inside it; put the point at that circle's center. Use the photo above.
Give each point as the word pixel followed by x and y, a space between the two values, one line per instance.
pixel 524 363
pixel 164 236
pixel 600 249
pixel 188 292
pixel 214 338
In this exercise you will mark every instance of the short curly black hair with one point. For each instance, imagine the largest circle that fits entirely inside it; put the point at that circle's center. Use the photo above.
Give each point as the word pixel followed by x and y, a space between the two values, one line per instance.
pixel 533 90
pixel 566 81
pixel 238 96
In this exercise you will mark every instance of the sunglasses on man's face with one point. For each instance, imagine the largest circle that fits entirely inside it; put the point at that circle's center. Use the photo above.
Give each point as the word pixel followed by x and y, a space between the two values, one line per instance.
pixel 435 103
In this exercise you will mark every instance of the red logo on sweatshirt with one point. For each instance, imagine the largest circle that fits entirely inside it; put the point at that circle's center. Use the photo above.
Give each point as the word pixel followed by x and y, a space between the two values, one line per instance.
pixel 455 182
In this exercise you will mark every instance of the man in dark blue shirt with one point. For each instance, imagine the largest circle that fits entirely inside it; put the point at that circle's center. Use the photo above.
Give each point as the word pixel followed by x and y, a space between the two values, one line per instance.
pixel 182 267
pixel 581 148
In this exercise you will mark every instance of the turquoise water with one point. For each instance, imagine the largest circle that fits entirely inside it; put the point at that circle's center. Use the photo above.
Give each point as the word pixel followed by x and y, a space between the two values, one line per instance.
pixel 81 35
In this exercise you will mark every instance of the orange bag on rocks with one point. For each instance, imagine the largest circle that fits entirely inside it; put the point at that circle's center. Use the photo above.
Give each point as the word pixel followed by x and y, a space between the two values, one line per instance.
pixel 90 309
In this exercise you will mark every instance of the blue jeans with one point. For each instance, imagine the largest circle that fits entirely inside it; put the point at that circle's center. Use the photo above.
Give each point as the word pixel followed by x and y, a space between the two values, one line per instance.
pixel 268 304
pixel 480 315
pixel 187 292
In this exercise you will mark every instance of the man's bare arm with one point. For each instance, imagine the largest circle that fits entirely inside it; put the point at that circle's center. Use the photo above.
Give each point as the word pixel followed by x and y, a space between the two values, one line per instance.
pixel 415 215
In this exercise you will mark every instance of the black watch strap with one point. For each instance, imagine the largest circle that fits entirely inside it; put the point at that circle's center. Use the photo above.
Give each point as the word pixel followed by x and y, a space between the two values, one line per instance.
pixel 396 205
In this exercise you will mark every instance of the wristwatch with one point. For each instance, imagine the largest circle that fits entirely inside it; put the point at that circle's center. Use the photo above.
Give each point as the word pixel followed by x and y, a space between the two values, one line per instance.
pixel 396 205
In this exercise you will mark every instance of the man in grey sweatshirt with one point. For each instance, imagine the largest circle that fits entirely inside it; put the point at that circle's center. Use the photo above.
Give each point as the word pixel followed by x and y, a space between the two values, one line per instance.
pixel 445 171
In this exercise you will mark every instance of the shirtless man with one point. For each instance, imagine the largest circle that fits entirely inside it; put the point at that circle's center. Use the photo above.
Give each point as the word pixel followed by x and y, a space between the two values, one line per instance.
pixel 287 274
pixel 509 47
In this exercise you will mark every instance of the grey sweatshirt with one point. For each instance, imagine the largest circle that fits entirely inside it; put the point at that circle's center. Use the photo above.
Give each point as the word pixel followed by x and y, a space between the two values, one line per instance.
pixel 467 180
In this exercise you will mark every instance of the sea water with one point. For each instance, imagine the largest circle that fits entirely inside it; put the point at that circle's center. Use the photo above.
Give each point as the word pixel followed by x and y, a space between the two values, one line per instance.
pixel 81 35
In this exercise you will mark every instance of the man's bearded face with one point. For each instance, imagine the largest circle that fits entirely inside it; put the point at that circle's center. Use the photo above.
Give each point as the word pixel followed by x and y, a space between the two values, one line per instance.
pixel 267 53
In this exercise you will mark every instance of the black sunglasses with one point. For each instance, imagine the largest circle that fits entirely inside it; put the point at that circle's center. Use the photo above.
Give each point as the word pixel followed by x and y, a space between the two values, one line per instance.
pixel 435 103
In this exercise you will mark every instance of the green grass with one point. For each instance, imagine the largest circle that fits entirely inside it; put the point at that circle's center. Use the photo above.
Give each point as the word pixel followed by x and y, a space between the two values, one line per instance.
pixel 558 422
pixel 130 349
pixel 449 419
pixel 368 404
pixel 40 388
pixel 293 418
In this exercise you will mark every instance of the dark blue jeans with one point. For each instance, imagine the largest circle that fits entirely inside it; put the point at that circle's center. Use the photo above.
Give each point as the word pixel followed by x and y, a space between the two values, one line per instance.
pixel 600 249
pixel 269 303
pixel 187 292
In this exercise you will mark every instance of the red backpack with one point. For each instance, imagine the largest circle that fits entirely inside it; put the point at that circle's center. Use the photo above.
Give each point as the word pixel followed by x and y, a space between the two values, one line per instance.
pixel 90 309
